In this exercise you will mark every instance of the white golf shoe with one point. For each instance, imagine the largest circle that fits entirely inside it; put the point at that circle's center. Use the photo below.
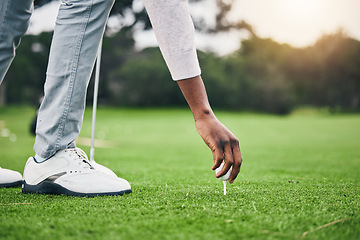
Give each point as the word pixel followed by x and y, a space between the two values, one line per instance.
pixel 69 172
pixel 9 178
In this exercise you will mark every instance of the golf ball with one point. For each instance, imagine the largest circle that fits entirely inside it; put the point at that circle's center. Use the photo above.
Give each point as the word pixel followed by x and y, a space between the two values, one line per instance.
pixel 226 176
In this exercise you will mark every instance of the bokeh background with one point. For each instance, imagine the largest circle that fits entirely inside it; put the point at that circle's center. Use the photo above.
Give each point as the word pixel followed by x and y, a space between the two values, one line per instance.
pixel 272 56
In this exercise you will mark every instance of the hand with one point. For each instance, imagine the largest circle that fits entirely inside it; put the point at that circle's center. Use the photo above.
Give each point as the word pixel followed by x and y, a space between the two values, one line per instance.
pixel 223 144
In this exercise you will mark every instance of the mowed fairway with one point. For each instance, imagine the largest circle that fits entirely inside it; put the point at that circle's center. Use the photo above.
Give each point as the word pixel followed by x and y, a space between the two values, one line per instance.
pixel 300 179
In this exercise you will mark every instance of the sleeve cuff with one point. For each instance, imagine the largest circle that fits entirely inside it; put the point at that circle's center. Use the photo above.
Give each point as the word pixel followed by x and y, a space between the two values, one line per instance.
pixel 183 66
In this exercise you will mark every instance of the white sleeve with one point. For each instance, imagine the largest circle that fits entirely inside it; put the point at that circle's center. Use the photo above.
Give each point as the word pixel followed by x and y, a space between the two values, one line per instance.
pixel 174 30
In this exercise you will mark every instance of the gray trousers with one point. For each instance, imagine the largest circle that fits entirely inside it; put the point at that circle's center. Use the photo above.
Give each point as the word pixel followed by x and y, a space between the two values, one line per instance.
pixel 79 28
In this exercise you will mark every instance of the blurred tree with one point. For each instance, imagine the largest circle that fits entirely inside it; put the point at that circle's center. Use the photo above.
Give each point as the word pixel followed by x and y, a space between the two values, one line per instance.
pixel 262 75
pixel 263 64
pixel 26 75
pixel 222 23
pixel 340 75
pixel 126 9
pixel 143 80
pixel 327 73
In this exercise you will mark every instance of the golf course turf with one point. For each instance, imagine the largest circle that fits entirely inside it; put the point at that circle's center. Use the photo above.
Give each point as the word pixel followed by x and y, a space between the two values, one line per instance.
pixel 300 179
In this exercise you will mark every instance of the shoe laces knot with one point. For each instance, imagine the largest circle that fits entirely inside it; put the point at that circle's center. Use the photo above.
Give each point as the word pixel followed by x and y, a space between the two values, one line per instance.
pixel 81 156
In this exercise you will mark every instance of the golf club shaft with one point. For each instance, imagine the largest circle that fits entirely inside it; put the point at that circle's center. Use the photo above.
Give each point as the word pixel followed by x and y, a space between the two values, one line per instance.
pixel 95 97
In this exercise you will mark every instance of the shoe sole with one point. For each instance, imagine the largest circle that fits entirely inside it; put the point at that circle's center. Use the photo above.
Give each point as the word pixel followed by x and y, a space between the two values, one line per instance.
pixel 13 184
pixel 53 188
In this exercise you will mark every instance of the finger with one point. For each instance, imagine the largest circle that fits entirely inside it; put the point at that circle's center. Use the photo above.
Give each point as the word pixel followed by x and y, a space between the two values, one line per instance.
pixel 229 160
pixel 237 162
pixel 218 155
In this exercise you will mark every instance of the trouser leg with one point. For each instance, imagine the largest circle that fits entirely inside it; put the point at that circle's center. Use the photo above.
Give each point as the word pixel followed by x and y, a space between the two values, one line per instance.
pixel 79 28
pixel 14 21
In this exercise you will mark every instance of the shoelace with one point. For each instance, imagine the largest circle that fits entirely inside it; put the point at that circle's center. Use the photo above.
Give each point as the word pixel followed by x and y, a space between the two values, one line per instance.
pixel 81 156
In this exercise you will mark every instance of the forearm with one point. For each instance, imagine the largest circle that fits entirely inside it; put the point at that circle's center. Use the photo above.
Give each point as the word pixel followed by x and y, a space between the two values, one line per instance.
pixel 175 33
pixel 194 92
pixel 223 144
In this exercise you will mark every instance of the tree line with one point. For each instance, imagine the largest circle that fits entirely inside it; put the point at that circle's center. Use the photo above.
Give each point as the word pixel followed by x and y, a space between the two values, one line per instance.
pixel 262 75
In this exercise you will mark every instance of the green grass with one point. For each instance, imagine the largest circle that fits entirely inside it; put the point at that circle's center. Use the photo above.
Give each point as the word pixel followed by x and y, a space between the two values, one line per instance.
pixel 301 174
